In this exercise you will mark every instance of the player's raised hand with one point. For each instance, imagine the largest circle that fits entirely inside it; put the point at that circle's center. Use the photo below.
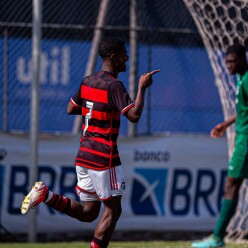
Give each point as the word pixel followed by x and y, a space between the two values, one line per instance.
pixel 146 79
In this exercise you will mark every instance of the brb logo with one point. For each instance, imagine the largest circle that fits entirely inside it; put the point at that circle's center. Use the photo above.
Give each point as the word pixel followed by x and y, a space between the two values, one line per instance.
pixel 148 191
pixel 188 193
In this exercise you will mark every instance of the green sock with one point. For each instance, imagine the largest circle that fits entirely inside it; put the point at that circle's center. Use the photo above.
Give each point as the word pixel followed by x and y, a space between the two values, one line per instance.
pixel 227 211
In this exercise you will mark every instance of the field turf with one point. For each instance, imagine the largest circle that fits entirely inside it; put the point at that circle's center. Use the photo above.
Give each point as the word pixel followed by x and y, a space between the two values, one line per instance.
pixel 113 244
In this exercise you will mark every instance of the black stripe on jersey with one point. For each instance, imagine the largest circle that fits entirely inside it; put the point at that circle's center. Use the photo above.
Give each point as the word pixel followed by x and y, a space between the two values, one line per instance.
pixel 95 159
pixel 103 124
pixel 89 163
pixel 98 106
pixel 99 146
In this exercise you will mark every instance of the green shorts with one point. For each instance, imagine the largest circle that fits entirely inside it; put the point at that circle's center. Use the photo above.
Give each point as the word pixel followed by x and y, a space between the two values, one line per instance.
pixel 238 166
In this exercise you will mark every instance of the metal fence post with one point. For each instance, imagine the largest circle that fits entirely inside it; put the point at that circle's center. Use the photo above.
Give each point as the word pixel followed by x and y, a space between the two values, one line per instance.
pixel 34 122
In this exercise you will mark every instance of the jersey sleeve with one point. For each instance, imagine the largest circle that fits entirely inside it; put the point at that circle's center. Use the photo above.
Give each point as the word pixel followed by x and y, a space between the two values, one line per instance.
pixel 76 100
pixel 119 98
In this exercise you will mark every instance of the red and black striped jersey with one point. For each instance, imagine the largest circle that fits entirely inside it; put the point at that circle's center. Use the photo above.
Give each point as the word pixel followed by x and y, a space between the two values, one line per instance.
pixel 102 99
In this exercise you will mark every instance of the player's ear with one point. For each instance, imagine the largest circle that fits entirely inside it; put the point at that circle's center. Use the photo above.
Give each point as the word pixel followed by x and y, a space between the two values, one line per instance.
pixel 114 58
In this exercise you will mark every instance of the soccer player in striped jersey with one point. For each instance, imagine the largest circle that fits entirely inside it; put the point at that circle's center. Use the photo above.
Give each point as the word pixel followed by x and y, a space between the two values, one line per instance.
pixel 236 62
pixel 100 99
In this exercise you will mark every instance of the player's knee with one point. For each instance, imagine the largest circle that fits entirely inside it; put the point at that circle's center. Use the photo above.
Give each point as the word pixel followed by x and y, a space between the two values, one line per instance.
pixel 231 189
pixel 88 217
pixel 89 214
pixel 93 216
pixel 228 189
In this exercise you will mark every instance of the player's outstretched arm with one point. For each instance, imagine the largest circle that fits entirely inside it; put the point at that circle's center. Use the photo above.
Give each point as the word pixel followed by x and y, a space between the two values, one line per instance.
pixel 145 81
pixel 220 129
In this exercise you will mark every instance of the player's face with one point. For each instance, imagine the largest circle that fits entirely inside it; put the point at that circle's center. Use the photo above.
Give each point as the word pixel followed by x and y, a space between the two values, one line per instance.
pixel 122 58
pixel 232 63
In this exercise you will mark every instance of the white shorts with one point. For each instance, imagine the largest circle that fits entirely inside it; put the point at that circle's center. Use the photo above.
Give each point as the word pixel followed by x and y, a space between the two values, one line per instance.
pixel 95 185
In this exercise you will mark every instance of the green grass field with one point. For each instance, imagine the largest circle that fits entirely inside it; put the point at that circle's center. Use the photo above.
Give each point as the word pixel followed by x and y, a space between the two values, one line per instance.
pixel 150 244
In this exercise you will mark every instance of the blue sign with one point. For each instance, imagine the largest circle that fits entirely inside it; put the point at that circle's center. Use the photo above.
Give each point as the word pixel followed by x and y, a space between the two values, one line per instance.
pixel 61 71
pixel 148 191
pixel 151 191
pixel 180 96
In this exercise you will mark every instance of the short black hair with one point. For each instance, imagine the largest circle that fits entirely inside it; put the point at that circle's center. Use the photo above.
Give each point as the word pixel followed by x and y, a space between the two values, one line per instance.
pixel 237 49
pixel 110 45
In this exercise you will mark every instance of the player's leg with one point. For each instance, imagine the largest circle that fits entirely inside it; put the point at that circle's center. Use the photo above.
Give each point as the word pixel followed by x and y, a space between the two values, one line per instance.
pixel 87 211
pixel 228 207
pixel 237 171
pixel 107 223
pixel 109 186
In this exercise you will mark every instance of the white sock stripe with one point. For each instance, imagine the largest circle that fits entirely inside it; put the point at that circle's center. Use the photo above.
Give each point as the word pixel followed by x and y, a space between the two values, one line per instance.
pixel 50 195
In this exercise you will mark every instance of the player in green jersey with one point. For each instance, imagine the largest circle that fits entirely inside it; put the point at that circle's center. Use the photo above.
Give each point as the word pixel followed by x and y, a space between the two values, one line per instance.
pixel 236 63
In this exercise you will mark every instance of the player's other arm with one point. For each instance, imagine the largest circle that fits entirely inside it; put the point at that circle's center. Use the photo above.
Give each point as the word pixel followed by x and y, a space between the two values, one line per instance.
pixel 73 108
pixel 219 130
pixel 134 113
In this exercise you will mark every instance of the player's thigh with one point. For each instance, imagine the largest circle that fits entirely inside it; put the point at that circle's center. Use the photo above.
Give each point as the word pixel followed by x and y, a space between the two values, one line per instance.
pixel 238 166
pixel 85 187
pixel 92 206
pixel 108 183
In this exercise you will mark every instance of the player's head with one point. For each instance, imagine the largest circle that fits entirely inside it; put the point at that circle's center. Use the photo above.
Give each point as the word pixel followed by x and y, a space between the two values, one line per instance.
pixel 236 59
pixel 114 50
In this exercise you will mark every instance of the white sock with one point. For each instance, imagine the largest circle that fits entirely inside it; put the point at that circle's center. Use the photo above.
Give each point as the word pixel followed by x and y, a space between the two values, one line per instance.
pixel 49 197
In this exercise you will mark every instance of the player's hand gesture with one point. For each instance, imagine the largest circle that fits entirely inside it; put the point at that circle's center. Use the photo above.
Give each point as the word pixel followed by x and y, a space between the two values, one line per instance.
pixel 146 79
pixel 218 131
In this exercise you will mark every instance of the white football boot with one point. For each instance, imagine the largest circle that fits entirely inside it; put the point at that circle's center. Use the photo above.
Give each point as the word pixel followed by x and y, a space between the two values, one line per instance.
pixel 36 195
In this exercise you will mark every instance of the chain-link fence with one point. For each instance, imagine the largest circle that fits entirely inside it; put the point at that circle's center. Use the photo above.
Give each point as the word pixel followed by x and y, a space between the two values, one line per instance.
pixel 183 98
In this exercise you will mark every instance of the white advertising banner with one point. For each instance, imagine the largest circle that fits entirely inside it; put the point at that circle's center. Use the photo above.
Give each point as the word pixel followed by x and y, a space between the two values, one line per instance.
pixel 172 182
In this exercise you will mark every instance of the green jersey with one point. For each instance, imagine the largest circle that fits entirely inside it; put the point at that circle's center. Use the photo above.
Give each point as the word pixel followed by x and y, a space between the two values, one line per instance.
pixel 242 104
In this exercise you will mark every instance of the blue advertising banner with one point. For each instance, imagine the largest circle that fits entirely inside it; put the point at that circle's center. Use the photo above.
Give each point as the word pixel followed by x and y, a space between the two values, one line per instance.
pixel 1 82
pixel 61 71
pixel 184 97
